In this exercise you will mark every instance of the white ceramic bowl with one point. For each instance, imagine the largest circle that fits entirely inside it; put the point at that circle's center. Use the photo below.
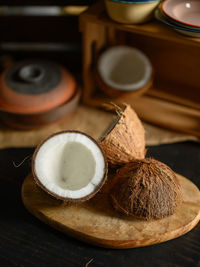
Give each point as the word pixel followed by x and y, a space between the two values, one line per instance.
pixel 124 68
pixel 129 12
pixel 183 11
pixel 159 15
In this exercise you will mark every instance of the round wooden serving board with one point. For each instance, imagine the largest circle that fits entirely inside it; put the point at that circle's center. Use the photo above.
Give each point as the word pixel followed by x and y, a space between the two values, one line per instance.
pixel 97 223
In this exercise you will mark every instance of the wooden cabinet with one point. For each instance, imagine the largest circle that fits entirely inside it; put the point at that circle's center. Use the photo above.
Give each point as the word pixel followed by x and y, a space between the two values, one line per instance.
pixel 174 99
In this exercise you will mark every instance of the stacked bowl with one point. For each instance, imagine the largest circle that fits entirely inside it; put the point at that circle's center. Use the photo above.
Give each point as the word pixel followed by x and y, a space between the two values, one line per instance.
pixel 181 15
pixel 131 11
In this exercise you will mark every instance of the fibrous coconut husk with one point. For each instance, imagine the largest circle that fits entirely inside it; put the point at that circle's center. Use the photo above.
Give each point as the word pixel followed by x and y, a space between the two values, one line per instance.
pixel 124 141
pixel 146 189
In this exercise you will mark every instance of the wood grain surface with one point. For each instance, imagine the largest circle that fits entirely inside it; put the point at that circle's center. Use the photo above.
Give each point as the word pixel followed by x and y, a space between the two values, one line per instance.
pixel 28 242
pixel 97 223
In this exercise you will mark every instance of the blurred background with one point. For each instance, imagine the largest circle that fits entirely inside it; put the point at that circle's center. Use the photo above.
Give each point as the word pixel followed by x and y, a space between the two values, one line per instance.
pixel 47 29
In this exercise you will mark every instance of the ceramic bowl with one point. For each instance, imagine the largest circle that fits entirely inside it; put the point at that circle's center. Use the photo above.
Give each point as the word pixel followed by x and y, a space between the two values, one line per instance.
pixel 174 22
pixel 186 12
pixel 188 33
pixel 131 12
pixel 135 1
pixel 159 15
pixel 123 69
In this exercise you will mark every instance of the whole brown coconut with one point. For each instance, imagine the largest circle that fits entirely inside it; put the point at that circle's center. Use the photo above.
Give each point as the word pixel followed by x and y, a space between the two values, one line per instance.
pixel 146 189
pixel 124 140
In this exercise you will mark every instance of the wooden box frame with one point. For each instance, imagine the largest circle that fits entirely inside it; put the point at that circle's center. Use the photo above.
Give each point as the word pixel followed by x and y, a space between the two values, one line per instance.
pixel 174 99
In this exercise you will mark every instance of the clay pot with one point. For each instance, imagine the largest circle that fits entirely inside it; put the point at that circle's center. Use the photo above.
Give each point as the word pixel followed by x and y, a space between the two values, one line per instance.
pixel 36 93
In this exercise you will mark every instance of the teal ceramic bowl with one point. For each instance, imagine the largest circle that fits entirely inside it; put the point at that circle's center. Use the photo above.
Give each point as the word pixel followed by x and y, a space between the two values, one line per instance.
pixel 131 12
pixel 135 1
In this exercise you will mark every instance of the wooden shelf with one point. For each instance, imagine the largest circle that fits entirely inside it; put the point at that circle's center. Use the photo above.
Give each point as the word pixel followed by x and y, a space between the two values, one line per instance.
pixel 155 29
pixel 174 99
pixel 156 111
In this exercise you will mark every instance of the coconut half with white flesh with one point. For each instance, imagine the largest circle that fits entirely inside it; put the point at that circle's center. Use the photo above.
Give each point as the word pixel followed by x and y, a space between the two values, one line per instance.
pixel 70 166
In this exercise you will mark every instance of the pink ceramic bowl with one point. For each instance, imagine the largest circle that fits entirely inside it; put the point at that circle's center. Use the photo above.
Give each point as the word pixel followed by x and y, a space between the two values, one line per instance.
pixel 183 11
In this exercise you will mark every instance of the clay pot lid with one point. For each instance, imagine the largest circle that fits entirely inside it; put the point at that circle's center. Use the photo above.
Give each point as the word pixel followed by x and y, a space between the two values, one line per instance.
pixel 35 86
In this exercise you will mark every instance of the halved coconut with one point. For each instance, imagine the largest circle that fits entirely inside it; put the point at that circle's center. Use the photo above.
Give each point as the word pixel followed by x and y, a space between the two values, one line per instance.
pixel 124 140
pixel 124 68
pixel 70 166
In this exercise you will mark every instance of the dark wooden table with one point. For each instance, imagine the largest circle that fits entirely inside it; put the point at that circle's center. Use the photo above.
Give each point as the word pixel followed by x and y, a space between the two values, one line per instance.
pixel 25 241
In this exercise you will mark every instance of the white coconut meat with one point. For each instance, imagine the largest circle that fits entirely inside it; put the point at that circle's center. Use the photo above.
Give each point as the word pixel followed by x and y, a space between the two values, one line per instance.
pixel 124 68
pixel 69 165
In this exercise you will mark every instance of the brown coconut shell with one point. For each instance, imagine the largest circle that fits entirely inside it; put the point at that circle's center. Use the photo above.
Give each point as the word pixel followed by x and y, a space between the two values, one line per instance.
pixel 146 189
pixel 124 141
pixel 114 93
pixel 56 196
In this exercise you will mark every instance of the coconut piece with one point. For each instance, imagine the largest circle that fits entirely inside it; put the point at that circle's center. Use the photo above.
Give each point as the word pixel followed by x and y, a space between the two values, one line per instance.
pixel 146 189
pixel 70 166
pixel 124 140
pixel 124 68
